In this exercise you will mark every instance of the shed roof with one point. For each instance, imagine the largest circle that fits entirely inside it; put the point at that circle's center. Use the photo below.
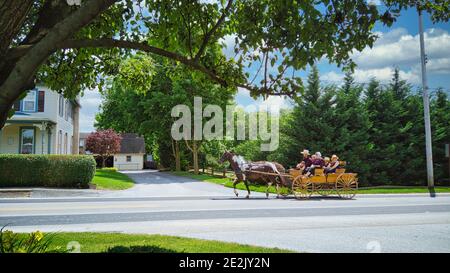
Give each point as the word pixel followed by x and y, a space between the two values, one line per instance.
pixel 132 144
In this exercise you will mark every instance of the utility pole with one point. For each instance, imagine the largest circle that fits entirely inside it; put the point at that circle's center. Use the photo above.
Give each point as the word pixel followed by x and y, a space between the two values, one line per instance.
pixel 426 106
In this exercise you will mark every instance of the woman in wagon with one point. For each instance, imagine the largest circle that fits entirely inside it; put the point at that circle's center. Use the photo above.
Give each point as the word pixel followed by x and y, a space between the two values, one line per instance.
pixel 317 162
pixel 333 165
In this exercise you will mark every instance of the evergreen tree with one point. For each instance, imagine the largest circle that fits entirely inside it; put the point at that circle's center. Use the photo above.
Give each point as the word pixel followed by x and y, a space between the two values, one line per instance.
pixel 351 122
pixel 382 132
pixel 310 126
pixel 440 124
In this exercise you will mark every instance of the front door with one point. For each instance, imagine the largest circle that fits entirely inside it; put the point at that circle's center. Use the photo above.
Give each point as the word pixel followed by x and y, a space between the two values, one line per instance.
pixel 27 139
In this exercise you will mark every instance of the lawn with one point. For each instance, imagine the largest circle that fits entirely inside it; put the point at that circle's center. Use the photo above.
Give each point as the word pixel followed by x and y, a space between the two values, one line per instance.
pixel 118 242
pixel 227 182
pixel 111 179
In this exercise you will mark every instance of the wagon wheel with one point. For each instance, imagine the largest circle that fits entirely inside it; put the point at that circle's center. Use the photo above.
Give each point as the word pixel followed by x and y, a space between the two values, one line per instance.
pixel 284 191
pixel 346 185
pixel 302 187
pixel 323 189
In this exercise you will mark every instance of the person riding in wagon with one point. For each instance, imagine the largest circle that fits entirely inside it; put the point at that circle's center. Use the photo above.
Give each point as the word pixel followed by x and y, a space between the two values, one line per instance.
pixel 332 165
pixel 317 162
pixel 306 162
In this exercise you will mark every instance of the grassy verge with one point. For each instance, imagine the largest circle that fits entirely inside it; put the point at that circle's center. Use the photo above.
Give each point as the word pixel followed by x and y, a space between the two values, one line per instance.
pixel 262 188
pixel 121 243
pixel 111 179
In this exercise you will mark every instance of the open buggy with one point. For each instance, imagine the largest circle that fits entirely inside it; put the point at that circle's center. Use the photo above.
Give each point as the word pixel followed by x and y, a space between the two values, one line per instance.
pixel 340 183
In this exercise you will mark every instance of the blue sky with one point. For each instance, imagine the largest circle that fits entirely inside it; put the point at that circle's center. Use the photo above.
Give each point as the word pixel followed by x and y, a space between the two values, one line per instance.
pixel 397 46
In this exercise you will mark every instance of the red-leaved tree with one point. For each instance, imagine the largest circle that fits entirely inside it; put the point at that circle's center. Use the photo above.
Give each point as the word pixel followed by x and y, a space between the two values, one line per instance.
pixel 103 143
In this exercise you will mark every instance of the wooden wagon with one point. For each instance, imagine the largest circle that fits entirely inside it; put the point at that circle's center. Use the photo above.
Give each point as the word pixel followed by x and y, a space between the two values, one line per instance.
pixel 344 184
pixel 341 183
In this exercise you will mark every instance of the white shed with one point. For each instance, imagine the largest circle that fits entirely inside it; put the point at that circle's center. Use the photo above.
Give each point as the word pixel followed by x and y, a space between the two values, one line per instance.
pixel 131 155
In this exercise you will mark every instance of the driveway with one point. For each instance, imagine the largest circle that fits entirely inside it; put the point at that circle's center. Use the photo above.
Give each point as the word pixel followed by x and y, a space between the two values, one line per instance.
pixel 151 183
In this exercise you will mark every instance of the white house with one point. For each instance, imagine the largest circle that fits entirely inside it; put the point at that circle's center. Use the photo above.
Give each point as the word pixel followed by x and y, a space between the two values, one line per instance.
pixel 131 155
pixel 44 123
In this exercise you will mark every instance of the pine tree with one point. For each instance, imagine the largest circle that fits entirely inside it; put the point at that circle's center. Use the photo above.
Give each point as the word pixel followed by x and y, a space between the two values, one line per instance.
pixel 382 133
pixel 351 131
pixel 310 126
pixel 440 124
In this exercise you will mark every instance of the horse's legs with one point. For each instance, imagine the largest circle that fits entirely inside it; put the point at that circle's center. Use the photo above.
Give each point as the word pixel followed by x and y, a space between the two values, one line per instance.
pixel 278 189
pixel 248 190
pixel 236 181
pixel 268 187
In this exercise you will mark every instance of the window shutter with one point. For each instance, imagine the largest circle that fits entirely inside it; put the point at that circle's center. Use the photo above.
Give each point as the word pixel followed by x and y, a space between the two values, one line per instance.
pixel 41 101
pixel 17 105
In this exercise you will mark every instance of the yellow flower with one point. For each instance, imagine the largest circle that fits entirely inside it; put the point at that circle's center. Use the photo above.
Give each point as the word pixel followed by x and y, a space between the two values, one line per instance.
pixel 37 235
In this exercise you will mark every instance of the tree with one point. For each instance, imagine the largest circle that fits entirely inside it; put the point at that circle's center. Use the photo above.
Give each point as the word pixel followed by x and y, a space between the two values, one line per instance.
pixel 440 117
pixel 104 143
pixel 72 47
pixel 351 128
pixel 311 124
pixel 145 106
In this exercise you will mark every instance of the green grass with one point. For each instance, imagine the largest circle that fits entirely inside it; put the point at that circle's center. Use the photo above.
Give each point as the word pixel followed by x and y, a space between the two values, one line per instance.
pixel 262 188
pixel 400 189
pixel 118 242
pixel 111 179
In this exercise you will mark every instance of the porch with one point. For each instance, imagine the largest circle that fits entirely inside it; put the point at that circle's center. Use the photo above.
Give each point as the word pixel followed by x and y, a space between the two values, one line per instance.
pixel 28 137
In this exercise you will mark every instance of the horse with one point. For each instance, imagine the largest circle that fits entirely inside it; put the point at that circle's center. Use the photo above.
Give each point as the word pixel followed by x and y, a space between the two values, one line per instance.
pixel 243 172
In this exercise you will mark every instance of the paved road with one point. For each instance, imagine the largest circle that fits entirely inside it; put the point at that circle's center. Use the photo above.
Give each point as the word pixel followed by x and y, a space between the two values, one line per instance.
pixel 386 223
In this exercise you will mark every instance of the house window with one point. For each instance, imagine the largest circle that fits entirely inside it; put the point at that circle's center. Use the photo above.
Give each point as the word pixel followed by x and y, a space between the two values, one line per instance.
pixel 60 142
pixel 70 111
pixel 66 113
pixel 29 102
pixel 27 141
pixel 128 158
pixel 65 143
pixel 61 105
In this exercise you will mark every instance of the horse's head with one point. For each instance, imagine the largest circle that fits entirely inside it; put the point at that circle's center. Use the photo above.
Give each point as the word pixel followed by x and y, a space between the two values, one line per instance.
pixel 225 157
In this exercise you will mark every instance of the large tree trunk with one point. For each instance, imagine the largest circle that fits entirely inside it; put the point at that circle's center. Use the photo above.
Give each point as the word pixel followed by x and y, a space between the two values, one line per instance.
pixel 12 16
pixel 17 74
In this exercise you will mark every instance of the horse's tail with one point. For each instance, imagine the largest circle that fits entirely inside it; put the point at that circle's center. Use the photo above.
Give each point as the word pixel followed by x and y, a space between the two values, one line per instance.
pixel 275 170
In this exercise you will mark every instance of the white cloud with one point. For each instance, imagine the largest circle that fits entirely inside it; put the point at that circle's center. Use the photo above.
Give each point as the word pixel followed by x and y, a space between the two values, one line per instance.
pixel 332 77
pixel 398 48
pixel 273 103
pixel 384 75
pixel 229 42
pixel 90 103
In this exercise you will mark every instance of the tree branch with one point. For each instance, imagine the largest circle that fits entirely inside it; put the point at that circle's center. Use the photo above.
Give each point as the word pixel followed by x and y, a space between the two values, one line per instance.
pixel 142 46
pixel 210 33
pixel 26 67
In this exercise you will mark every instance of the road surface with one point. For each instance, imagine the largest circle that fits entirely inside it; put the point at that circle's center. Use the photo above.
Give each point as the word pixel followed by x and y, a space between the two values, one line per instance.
pixel 370 223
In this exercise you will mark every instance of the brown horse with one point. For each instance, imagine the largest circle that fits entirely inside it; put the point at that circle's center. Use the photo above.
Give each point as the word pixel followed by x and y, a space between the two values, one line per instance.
pixel 243 172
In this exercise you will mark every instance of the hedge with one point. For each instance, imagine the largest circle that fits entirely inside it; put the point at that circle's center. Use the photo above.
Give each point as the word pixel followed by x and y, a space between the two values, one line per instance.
pixel 60 171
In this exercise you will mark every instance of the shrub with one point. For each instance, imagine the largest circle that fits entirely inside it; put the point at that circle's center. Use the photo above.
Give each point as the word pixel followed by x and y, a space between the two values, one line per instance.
pixel 65 171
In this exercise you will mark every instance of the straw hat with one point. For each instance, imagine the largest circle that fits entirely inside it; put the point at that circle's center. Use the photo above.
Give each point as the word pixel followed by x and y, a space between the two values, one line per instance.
pixel 334 156
pixel 326 158
pixel 305 152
